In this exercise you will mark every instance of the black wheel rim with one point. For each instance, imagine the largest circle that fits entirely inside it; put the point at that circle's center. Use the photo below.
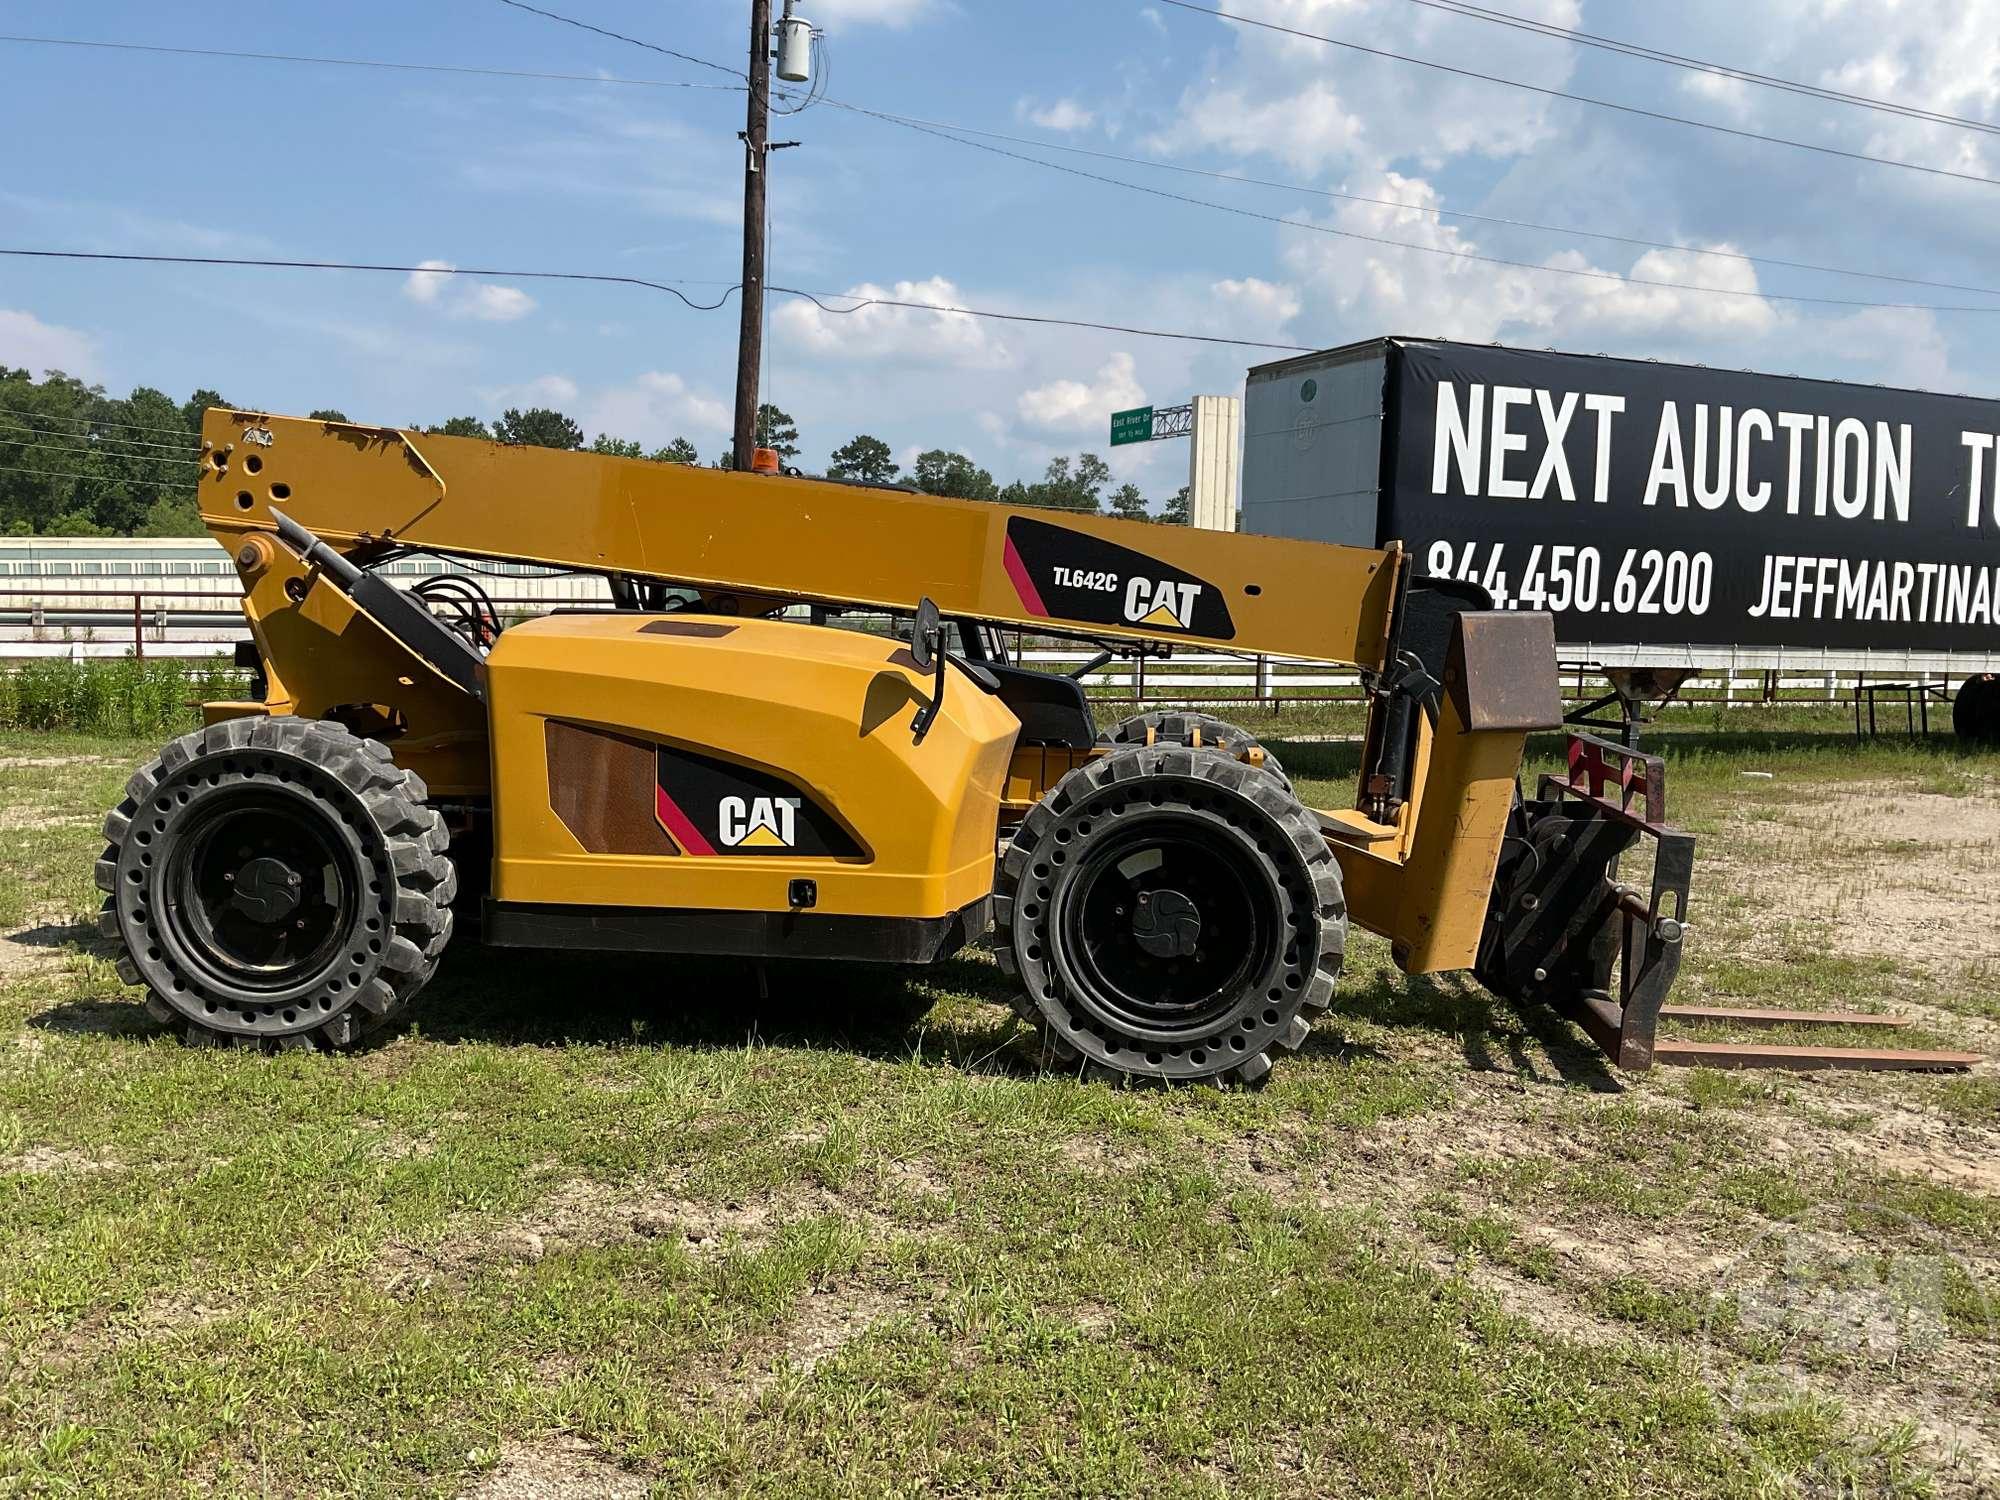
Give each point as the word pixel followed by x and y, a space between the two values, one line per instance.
pixel 1125 972
pixel 262 891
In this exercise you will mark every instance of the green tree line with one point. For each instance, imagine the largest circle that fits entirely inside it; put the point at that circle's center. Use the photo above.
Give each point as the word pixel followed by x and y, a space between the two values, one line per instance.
pixel 75 461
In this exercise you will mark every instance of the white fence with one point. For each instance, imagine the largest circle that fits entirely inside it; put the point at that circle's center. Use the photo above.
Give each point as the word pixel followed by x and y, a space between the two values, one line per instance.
pixel 195 616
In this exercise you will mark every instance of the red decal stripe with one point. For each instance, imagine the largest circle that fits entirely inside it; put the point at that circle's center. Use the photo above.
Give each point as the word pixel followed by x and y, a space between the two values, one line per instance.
pixel 680 826
pixel 1017 570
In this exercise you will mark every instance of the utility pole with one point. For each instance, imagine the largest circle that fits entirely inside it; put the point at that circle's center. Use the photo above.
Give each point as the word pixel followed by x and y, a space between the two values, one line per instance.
pixel 756 160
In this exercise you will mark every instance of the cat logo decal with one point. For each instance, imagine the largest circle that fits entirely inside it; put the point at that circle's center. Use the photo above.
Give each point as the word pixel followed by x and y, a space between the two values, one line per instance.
pixel 1164 602
pixel 715 807
pixel 758 822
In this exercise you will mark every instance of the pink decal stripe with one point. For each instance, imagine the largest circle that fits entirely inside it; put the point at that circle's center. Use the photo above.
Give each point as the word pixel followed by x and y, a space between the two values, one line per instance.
pixel 1017 570
pixel 678 824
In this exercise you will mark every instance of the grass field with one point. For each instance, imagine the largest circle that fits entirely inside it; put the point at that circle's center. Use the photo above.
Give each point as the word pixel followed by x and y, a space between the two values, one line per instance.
pixel 621 1227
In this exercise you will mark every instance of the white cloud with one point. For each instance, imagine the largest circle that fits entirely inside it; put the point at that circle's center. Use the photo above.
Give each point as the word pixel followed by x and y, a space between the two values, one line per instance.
pixel 1307 128
pixel 424 286
pixel 872 12
pixel 1064 114
pixel 437 285
pixel 903 334
pixel 543 390
pixel 1364 288
pixel 1944 54
pixel 1628 306
pixel 28 343
pixel 655 408
pixel 498 304
pixel 1076 406
pixel 1731 94
pixel 1258 307
pixel 1317 108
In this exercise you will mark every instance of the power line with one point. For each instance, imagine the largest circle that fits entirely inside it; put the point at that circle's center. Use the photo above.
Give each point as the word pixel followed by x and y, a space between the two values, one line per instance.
pixel 1697 65
pixel 974 312
pixel 338 265
pixel 816 297
pixel 909 123
pixel 77 478
pixel 1536 88
pixel 57 442
pixel 951 130
pixel 50 416
pixel 186 446
pixel 73 451
pixel 343 265
pixel 369 62
pixel 619 36
pixel 1438 250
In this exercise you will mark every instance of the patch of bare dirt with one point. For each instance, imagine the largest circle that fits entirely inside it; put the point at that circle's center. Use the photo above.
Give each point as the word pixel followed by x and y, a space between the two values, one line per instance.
pixel 1881 868
pixel 23 762
pixel 825 1321
pixel 1963 1459
pixel 39 945
pixel 1900 1142
pixel 590 1213
pixel 1388 1173
pixel 1099 1158
pixel 556 1469
pixel 915 1179
pixel 51 1161
pixel 18 958
pixel 1544 1307
pixel 37 817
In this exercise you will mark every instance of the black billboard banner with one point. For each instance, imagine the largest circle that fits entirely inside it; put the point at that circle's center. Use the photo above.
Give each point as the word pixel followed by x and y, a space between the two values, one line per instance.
pixel 1656 504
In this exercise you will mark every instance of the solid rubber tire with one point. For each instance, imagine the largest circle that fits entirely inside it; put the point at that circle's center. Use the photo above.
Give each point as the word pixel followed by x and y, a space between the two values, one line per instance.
pixel 398 928
pixel 1273 1009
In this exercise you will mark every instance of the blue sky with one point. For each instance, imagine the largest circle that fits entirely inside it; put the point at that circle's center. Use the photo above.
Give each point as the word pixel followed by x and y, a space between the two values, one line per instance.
pixel 206 156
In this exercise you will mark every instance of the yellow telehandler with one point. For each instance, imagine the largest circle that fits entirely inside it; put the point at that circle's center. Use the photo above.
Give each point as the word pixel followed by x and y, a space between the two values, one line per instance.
pixel 683 771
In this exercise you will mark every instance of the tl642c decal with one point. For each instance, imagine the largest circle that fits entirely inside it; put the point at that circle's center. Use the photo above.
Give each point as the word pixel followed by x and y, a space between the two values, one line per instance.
pixel 1066 575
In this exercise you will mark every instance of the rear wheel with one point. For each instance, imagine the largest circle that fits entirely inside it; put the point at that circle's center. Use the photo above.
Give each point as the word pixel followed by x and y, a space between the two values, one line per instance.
pixel 1197 731
pixel 1975 712
pixel 1171 915
pixel 276 883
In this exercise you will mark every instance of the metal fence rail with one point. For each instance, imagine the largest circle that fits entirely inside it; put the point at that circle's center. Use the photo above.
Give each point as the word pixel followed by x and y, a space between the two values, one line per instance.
pixel 87 619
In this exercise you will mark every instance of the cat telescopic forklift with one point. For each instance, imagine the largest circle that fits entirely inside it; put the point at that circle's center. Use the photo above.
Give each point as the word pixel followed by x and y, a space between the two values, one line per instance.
pixel 685 771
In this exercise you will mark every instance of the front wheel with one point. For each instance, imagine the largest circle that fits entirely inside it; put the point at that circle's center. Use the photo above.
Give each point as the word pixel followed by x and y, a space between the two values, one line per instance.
pixel 276 883
pixel 1171 915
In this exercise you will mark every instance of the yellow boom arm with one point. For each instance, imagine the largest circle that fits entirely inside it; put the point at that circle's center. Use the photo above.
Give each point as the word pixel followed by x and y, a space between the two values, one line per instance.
pixel 757 537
